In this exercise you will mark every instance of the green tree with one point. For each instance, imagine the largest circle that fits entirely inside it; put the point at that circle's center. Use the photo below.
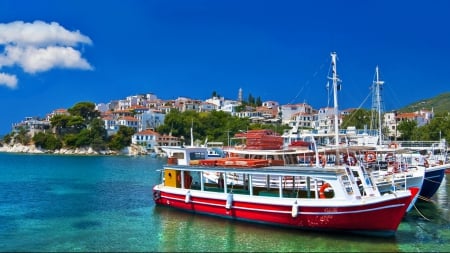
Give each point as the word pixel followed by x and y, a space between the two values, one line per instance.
pixel 70 140
pixel 47 141
pixel 407 128
pixel 86 110
pixel 98 134
pixel 214 126
pixel 59 123
pixel 22 136
pixel 359 118
pixel 436 129
pixel 215 94
pixel 7 138
pixel 83 138
pixel 75 124
pixel 258 101
pixel 121 139
pixel 251 99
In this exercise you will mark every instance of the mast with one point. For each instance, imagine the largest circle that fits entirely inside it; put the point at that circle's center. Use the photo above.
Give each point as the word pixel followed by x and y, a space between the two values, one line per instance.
pixel 335 80
pixel 376 103
pixel 192 133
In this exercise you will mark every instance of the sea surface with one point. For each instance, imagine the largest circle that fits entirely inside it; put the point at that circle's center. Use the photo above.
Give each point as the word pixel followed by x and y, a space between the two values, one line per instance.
pixel 52 203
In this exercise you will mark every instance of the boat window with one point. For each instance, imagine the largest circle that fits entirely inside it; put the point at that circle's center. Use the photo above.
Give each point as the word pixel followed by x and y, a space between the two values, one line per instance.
pixel 197 156
pixel 196 180
pixel 178 155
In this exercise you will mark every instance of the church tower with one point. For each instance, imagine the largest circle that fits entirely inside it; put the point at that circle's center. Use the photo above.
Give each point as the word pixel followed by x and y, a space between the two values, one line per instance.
pixel 240 95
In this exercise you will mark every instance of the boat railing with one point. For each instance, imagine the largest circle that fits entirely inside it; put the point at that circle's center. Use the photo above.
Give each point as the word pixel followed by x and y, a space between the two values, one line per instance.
pixel 421 144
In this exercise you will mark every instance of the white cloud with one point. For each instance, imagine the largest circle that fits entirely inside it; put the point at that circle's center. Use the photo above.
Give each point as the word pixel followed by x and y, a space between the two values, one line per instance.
pixel 34 60
pixel 39 46
pixel 8 80
pixel 39 34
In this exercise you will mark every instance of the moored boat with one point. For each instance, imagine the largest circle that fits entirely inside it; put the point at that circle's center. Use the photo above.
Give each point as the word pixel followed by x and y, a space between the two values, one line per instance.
pixel 341 197
pixel 433 180
pixel 434 170
pixel 310 198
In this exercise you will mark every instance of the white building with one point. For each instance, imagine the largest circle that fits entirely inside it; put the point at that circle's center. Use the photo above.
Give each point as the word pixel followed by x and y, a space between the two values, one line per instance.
pixel 151 120
pixel 288 111
pixel 146 138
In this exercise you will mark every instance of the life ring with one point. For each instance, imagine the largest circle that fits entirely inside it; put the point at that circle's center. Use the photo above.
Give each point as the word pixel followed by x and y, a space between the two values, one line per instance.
pixel 393 145
pixel 351 161
pixel 370 157
pixel 322 190
pixel 390 158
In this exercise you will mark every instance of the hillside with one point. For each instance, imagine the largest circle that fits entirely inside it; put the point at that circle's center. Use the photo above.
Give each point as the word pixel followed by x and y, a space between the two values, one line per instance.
pixel 439 104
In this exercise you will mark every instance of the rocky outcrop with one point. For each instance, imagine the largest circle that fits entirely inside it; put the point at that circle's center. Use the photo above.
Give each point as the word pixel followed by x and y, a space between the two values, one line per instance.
pixel 134 150
pixel 19 148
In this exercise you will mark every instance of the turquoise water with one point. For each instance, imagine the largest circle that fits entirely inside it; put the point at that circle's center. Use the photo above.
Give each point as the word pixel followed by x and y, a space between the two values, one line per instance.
pixel 82 203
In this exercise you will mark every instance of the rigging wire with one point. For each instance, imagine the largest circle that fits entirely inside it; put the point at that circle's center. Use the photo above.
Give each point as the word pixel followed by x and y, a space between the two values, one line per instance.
pixel 307 83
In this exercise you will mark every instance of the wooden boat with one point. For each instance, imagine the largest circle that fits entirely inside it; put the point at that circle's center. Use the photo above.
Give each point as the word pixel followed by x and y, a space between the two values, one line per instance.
pixel 310 198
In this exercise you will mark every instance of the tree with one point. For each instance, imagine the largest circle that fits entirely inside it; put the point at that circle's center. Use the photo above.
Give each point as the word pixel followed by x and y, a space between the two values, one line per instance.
pixel 359 118
pixel 258 101
pixel 7 138
pixel 97 128
pixel 215 94
pixel 59 123
pixel 22 136
pixel 76 123
pixel 407 128
pixel 47 141
pixel 251 99
pixel 86 110
pixel 436 129
pixel 121 139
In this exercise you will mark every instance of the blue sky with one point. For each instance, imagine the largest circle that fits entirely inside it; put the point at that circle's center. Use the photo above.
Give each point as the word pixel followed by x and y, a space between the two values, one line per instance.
pixel 57 53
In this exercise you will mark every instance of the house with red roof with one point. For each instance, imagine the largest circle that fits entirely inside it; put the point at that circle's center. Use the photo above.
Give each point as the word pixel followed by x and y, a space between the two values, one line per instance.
pixel 146 138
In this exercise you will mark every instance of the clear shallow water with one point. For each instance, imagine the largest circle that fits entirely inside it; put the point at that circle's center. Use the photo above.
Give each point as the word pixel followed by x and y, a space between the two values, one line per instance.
pixel 83 203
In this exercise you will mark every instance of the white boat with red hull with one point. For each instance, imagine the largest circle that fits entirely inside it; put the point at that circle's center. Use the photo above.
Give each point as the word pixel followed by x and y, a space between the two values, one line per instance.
pixel 310 198
pixel 342 197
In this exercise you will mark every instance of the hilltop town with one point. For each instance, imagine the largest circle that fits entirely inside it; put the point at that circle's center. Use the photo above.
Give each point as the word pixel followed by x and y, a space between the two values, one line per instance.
pixel 145 112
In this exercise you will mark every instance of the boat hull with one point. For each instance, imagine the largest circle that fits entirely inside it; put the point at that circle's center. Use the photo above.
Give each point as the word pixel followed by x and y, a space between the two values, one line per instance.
pixel 355 218
pixel 432 181
pixel 403 182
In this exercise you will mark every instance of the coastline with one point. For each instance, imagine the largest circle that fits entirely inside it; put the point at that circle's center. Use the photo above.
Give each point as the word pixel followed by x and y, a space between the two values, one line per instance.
pixel 31 149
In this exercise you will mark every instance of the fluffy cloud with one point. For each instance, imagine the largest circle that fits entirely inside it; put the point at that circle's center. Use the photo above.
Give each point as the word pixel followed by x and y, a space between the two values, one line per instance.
pixel 8 80
pixel 34 60
pixel 39 34
pixel 38 47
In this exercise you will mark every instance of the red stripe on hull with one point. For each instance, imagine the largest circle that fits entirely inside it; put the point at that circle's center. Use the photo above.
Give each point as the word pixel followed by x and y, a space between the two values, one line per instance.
pixel 381 218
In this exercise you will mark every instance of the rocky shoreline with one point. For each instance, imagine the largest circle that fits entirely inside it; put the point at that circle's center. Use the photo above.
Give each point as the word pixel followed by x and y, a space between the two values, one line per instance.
pixel 31 149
